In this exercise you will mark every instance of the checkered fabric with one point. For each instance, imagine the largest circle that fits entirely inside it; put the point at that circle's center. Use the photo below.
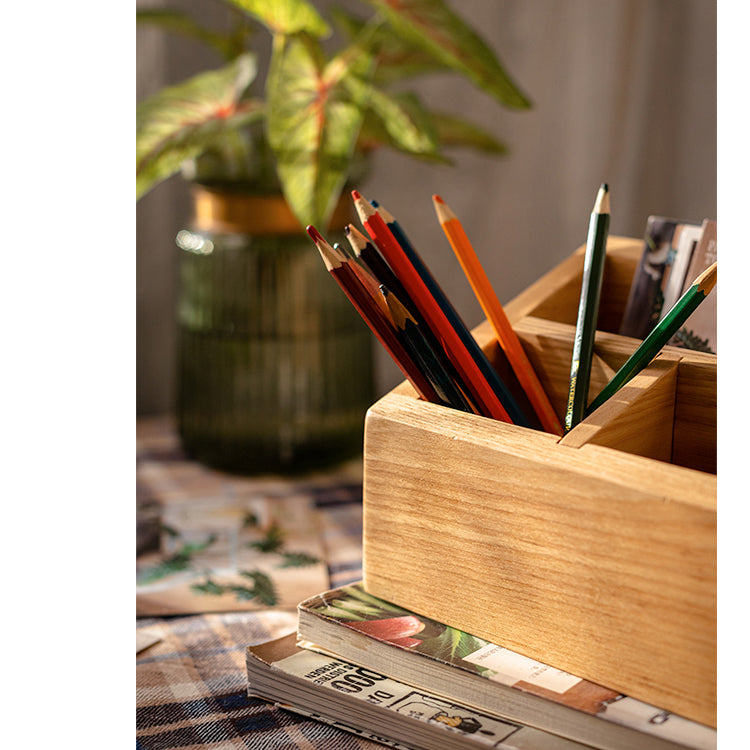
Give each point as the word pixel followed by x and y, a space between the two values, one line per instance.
pixel 191 681
pixel 192 689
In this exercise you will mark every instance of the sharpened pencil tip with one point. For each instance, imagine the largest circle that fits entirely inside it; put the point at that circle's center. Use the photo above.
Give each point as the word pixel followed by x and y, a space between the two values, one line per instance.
pixel 601 206
pixel 363 208
pixel 442 209
pixel 706 280
pixel 314 233
pixel 356 239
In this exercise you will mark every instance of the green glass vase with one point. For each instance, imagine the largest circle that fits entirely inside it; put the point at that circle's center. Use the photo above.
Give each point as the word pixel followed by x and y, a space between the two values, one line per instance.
pixel 275 367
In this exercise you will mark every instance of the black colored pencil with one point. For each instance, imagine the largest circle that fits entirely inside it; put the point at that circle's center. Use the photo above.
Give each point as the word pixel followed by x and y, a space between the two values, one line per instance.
pixel 417 345
pixel 368 254
pixel 588 310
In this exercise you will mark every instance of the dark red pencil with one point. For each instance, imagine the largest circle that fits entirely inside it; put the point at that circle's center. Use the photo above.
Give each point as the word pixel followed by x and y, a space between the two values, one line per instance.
pixel 354 285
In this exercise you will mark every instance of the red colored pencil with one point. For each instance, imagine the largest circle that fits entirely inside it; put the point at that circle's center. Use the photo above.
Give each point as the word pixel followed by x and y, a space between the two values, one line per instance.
pixel 354 285
pixel 486 400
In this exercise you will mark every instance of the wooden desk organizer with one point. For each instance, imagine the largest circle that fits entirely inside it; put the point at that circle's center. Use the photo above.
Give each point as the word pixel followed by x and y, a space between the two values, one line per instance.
pixel 595 553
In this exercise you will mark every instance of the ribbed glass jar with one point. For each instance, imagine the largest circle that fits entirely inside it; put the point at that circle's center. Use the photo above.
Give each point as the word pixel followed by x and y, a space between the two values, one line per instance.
pixel 275 367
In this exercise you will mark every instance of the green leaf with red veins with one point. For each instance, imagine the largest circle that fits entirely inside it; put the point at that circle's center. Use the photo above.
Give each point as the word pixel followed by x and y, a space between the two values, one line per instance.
pixel 286 16
pixel 457 132
pixel 432 25
pixel 313 121
pixel 180 121
pixel 406 122
pixel 181 23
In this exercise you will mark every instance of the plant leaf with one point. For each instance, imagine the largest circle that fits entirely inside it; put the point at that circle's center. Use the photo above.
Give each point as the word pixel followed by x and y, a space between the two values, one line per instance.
pixel 243 593
pixel 396 60
pixel 452 644
pixel 406 122
pixel 286 16
pixel 313 121
pixel 181 23
pixel 263 588
pixel 208 587
pixel 298 560
pixel 181 121
pixel 179 561
pixel 432 26
pixel 357 592
pixel 373 135
pixel 273 540
pixel 165 568
pixel 455 131
pixel 189 549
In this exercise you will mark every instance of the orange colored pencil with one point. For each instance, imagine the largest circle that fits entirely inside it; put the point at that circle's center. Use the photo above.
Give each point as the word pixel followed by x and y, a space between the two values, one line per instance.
pixel 486 400
pixel 354 284
pixel 487 298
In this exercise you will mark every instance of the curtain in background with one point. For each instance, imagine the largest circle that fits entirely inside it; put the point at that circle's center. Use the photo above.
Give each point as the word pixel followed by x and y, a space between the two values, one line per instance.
pixel 624 92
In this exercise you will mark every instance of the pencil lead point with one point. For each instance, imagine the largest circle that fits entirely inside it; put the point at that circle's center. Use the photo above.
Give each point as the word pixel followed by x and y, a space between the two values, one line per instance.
pixel 374 203
pixel 437 199
pixel 363 208
pixel 314 233
pixel 601 205
pixel 356 239
pixel 356 195
pixel 706 280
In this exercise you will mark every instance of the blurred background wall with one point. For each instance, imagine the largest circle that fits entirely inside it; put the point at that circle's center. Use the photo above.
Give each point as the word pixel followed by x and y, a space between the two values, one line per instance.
pixel 624 92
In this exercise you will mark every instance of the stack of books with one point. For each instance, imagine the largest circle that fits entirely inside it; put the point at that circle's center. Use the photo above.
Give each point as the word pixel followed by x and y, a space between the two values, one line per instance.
pixel 382 672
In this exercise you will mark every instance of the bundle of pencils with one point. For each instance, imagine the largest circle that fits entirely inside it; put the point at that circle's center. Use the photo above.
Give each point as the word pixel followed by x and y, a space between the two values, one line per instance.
pixel 396 294
pixel 390 285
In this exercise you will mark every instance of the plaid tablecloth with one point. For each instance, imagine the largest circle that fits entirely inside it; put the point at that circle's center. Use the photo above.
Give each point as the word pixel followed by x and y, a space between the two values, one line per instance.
pixel 191 688
pixel 190 669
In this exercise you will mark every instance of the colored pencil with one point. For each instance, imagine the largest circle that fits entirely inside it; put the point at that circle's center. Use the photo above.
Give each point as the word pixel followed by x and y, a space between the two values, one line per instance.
pixel 466 355
pixel 588 309
pixel 514 409
pixel 504 332
pixel 422 352
pixel 660 335
pixel 368 254
pixel 353 284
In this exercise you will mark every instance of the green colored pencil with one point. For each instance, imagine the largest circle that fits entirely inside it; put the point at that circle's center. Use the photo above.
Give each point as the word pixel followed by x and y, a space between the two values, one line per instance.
pixel 660 335
pixel 588 309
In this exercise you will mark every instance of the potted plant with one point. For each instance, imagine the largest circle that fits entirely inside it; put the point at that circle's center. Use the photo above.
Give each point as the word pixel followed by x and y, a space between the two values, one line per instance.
pixel 266 158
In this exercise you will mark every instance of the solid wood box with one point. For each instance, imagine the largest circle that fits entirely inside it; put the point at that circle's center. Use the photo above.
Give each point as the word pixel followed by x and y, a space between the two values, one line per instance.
pixel 596 552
